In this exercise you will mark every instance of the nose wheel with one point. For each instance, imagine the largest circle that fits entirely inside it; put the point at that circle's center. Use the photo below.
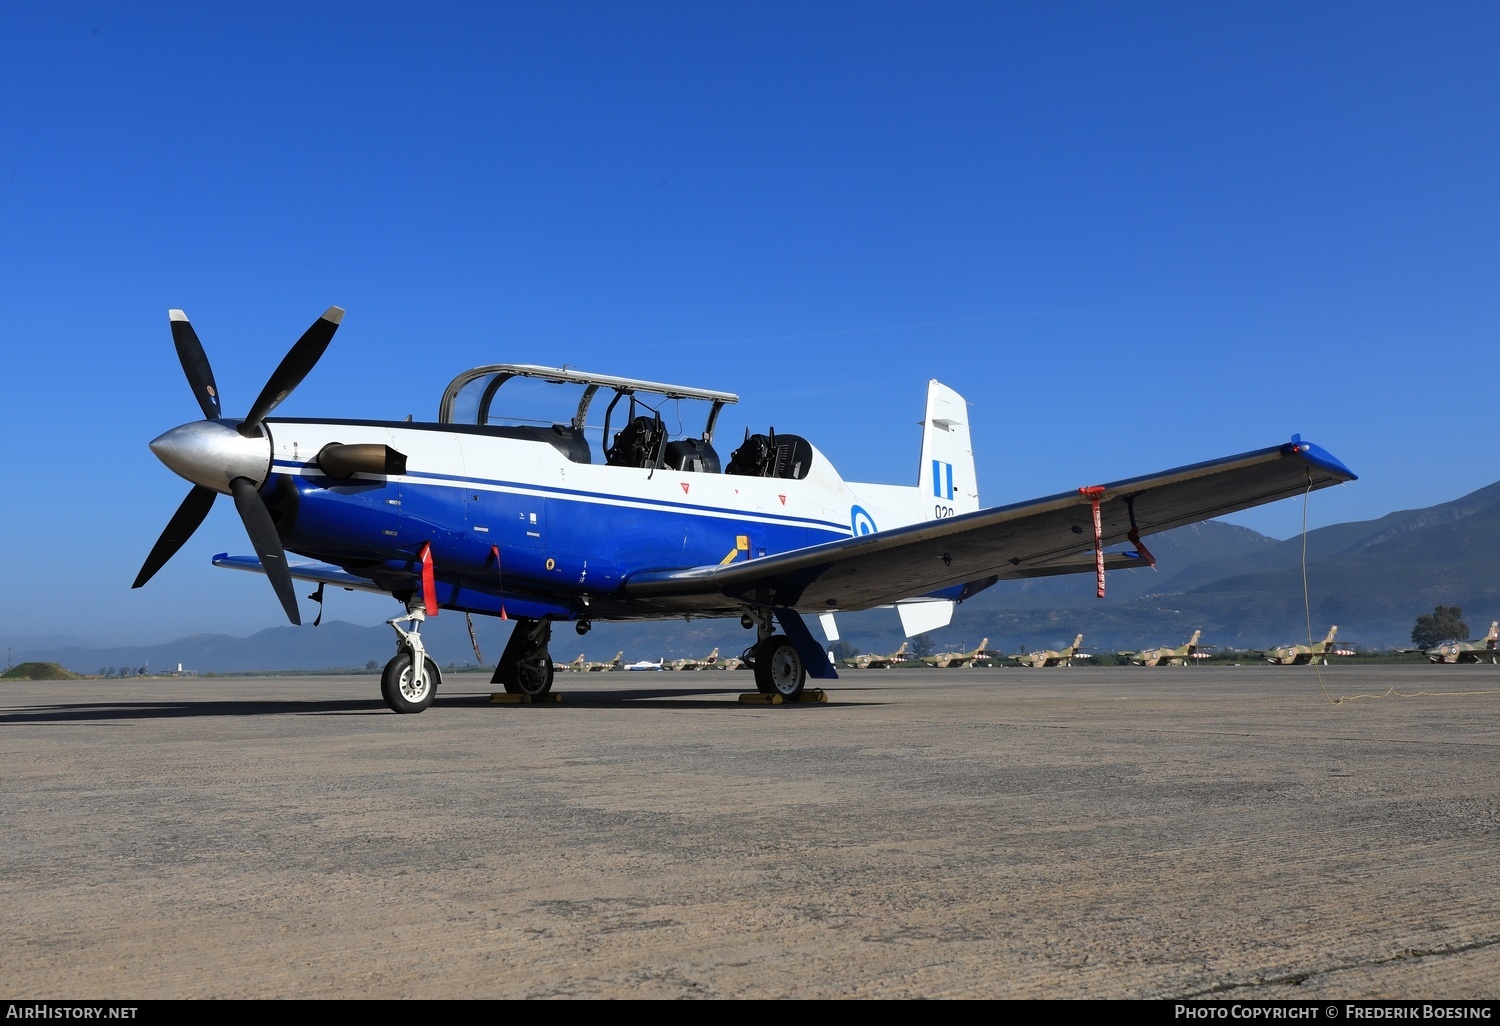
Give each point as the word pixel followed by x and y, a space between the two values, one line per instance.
pixel 406 691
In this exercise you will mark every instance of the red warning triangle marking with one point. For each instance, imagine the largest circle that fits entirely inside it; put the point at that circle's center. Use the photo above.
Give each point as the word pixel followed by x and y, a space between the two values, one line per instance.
pixel 684 487
pixel 782 498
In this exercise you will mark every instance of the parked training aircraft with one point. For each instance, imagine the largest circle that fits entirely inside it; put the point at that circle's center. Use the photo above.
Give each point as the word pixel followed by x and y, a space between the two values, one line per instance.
pixel 1300 655
pixel 645 664
pixel 577 665
pixel 946 659
pixel 1482 651
pixel 871 661
pixel 617 507
pixel 617 663
pixel 1166 656
pixel 1064 657
pixel 696 664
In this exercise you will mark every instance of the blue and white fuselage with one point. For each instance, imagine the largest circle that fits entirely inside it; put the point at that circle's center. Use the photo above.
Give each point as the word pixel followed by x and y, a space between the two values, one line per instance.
pixel 514 522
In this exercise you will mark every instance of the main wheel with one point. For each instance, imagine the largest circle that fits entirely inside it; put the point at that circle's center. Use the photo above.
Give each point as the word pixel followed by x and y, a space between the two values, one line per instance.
pixel 778 668
pixel 532 676
pixel 407 692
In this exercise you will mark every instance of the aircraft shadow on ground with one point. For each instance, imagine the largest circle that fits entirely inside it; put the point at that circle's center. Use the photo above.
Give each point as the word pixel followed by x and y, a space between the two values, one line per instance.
pixel 645 698
pixel 658 698
pixel 179 710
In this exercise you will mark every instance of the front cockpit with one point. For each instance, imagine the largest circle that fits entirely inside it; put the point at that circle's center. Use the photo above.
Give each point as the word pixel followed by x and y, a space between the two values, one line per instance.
pixel 618 422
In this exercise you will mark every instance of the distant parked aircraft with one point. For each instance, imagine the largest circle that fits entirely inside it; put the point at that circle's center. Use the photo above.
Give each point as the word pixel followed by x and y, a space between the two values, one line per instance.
pixel 1481 651
pixel 617 663
pixel 871 661
pixel 946 659
pixel 1064 657
pixel 1301 655
pixel 1166 656
pixel 697 664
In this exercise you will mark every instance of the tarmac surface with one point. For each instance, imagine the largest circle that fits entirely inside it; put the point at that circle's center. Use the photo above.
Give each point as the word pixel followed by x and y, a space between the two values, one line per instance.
pixel 1204 832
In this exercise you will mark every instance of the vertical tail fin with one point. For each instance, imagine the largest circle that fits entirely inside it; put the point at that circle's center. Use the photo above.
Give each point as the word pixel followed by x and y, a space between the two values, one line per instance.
pixel 1331 632
pixel 945 477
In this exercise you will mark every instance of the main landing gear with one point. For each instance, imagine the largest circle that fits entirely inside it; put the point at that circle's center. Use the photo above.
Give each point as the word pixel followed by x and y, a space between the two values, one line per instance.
pixel 411 678
pixel 526 666
pixel 778 666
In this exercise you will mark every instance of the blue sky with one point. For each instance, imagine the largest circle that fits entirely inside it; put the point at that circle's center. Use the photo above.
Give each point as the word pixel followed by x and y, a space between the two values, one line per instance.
pixel 1133 235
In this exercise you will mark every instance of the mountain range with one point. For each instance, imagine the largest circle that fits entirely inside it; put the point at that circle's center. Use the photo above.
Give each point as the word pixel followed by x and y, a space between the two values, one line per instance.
pixel 1243 589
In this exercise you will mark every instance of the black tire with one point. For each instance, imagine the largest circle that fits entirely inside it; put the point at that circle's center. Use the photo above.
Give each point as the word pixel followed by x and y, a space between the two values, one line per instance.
pixel 505 676
pixel 401 693
pixel 778 668
pixel 531 677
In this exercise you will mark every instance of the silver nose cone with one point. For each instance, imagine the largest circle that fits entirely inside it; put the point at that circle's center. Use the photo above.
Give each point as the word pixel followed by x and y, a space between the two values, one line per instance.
pixel 211 453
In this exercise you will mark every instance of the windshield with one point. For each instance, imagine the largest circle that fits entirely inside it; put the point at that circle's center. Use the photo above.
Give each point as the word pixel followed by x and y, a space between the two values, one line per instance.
pixel 593 409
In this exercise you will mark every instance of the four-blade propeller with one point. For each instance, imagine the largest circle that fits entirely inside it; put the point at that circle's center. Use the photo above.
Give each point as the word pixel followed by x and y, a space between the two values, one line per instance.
pixel 227 456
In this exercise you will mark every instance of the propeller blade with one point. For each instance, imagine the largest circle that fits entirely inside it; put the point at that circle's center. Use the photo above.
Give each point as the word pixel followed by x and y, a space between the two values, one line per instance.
pixel 195 364
pixel 262 532
pixel 300 359
pixel 179 529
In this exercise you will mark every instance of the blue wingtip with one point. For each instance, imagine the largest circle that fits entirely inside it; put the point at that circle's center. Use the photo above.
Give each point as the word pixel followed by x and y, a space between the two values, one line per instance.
pixel 1316 454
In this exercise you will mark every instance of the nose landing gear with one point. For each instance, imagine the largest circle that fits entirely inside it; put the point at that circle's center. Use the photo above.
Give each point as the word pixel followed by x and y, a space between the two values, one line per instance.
pixel 411 678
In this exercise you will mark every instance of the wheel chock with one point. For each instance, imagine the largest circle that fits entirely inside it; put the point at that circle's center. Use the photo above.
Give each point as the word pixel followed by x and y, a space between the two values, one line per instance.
pixel 810 695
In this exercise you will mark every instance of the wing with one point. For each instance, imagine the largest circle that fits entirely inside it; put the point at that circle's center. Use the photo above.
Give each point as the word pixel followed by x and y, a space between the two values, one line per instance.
pixel 318 573
pixel 1030 539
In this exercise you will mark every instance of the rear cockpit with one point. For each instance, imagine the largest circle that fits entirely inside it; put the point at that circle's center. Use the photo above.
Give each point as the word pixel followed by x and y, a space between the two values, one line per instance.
pixel 619 422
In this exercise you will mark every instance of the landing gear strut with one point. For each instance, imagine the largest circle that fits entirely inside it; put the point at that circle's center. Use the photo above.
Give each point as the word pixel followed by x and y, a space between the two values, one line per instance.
pixel 526 665
pixel 411 678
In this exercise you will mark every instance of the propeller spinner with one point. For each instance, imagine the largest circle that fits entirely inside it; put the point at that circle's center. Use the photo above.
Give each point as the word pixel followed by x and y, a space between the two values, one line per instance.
pixel 232 456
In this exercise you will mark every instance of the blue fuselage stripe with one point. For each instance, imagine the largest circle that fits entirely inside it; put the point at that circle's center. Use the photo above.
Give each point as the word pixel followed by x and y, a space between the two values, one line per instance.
pixel 553 542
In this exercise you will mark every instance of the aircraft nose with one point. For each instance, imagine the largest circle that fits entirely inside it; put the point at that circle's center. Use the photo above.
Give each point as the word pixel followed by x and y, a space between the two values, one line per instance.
pixel 211 453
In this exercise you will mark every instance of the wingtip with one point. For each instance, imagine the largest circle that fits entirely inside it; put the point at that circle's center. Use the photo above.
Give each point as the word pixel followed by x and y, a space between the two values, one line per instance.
pixel 334 314
pixel 176 315
pixel 1316 454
